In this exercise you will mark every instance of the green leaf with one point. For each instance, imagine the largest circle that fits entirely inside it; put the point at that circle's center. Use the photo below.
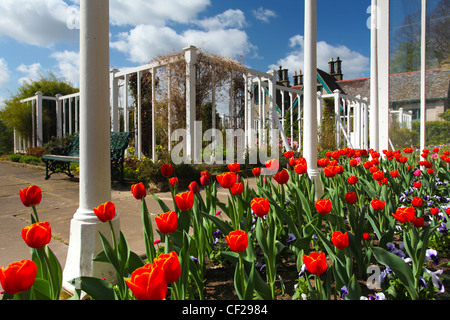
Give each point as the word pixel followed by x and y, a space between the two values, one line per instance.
pixel 109 252
pixel 96 288
pixel 223 226
pixel 250 285
pixel 148 229
pixel 123 251
pixel 56 271
pixel 161 203
pixel 134 262
pixel 400 268
pixel 40 290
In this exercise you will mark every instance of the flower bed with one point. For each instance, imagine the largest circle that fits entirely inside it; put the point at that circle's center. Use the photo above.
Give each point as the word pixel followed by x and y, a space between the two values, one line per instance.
pixel 379 231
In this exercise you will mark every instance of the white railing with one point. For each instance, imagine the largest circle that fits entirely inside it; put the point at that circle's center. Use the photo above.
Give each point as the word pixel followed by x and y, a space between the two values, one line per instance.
pixel 67 119
pixel 351 119
pixel 403 118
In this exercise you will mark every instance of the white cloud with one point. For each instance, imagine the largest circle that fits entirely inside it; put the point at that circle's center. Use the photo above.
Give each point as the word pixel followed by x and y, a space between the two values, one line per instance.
pixel 354 64
pixel 36 22
pixel 32 72
pixel 155 12
pixel 4 73
pixel 145 41
pixel 264 14
pixel 228 19
pixel 68 65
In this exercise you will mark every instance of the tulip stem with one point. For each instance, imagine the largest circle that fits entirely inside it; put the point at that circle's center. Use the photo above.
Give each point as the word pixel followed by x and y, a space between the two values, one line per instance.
pixel 35 213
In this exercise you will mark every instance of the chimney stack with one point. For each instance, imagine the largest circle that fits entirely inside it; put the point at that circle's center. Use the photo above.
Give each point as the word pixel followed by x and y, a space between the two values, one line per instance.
pixel 335 68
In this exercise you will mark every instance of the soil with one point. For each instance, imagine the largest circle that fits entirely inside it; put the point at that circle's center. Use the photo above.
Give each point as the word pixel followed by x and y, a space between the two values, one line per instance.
pixel 220 285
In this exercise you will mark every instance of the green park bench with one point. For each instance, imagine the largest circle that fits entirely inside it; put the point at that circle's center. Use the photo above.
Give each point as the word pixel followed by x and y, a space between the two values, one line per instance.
pixel 60 158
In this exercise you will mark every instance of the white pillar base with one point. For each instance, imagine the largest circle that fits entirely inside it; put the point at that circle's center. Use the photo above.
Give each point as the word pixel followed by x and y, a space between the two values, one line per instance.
pixel 314 175
pixel 85 244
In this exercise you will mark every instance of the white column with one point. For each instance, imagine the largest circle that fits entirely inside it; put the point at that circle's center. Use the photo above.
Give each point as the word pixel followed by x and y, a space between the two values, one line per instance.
pixel 337 115
pixel 95 175
pixel 319 108
pixel 39 124
pixel 58 115
pixel 154 155
pixel 138 116
pixel 191 57
pixel 383 74
pixel 70 117
pixel 169 107
pixel 366 123
pixel 310 95
pixel 374 125
pixel 272 107
pixel 114 87
pixel 291 107
pixel 64 117
pixel 126 116
pixel 423 58
pixel 260 114
pixel 33 123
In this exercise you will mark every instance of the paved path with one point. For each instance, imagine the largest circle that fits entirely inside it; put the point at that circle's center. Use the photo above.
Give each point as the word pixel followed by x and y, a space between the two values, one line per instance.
pixel 59 204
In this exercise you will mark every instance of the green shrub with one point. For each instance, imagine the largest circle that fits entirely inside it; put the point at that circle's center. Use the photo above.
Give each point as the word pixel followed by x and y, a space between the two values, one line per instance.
pixel 15 157
pixel 30 160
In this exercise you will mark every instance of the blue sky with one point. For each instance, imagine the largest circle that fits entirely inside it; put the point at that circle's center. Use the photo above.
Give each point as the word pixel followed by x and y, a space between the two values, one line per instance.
pixel 37 36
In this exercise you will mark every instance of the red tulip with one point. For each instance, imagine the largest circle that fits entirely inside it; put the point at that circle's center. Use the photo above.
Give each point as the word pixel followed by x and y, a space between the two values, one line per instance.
pixel 18 276
pixel 323 206
pixel 234 167
pixel 282 177
pixel 316 263
pixel 434 211
pixel 272 165
pixel 330 171
pixel 404 214
pixel 394 173
pixel 351 197
pixel 339 239
pixel 193 186
pixel 170 263
pixel 166 170
pixel 366 236
pixel 226 179
pixel 417 202
pixel 323 162
pixel 237 241
pixel 31 196
pixel 300 169
pixel 148 283
pixel 185 200
pixel 237 189
pixel 256 172
pixel 138 191
pixel 37 235
pixel 352 180
pixel 378 175
pixel 204 178
pixel 106 211
pixel 377 204
pixel 260 206
pixel 289 154
pixel 174 181
pixel 167 222
pixel 418 222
